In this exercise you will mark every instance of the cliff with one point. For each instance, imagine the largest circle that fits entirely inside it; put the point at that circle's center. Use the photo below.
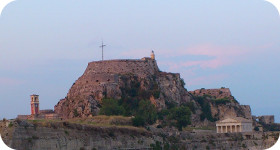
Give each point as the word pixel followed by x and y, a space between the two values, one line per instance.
pixel 64 135
pixel 220 104
pixel 117 79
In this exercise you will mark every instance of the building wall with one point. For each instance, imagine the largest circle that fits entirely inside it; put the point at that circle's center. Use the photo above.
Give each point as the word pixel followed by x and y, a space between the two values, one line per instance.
pixel 247 127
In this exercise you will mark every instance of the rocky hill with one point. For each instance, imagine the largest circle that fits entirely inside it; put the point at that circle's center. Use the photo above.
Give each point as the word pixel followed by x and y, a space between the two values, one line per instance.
pixel 131 79
pixel 221 102
pixel 122 78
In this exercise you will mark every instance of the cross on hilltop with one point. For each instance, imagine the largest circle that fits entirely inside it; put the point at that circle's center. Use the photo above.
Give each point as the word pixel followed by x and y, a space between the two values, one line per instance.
pixel 102 46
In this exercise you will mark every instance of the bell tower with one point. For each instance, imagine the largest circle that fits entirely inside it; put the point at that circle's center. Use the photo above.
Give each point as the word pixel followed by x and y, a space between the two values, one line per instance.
pixel 34 104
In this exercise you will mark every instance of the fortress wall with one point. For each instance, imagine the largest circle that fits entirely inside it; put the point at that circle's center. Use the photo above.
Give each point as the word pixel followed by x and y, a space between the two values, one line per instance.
pixel 97 79
pixel 139 67
pixel 269 119
pixel 218 93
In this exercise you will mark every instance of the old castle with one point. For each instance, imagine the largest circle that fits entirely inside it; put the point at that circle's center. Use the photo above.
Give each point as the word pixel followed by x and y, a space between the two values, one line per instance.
pixel 108 78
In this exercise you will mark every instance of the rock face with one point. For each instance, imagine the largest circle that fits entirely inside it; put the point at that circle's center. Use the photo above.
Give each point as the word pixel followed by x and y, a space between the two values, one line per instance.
pixel 65 136
pixel 223 104
pixel 116 78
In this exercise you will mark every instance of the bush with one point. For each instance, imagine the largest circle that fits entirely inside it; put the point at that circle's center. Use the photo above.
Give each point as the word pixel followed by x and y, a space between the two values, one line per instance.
pixel 190 105
pixel 147 111
pixel 182 116
pixel 111 107
pixel 11 125
pixel 138 121
pixel 183 82
pixel 206 110
pixel 76 114
pixel 257 129
pixel 221 101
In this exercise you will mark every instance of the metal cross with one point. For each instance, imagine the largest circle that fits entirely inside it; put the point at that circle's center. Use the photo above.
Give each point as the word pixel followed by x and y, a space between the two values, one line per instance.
pixel 102 46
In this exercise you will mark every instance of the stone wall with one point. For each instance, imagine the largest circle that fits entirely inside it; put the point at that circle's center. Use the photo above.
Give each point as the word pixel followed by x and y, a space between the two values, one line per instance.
pixel 46 111
pixel 140 67
pixel 216 93
pixel 269 119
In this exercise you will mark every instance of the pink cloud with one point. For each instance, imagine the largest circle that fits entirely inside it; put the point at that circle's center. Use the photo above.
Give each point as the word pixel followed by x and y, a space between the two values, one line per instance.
pixel 221 55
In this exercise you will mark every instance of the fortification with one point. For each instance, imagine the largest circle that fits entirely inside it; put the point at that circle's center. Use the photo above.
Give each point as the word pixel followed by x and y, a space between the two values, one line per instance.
pixel 141 67
pixel 268 119
pixel 216 93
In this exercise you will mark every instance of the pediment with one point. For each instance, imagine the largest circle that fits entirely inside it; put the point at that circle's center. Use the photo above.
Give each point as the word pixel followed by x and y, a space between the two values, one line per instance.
pixel 229 120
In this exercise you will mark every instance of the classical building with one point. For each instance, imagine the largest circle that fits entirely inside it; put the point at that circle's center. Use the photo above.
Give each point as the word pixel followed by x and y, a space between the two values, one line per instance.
pixel 36 113
pixel 234 124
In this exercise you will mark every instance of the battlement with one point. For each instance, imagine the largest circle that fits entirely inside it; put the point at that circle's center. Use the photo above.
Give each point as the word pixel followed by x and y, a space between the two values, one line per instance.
pixel 141 67
pixel 217 93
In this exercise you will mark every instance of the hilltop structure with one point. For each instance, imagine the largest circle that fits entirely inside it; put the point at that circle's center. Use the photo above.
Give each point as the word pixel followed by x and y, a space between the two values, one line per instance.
pixel 120 78
pixel 36 113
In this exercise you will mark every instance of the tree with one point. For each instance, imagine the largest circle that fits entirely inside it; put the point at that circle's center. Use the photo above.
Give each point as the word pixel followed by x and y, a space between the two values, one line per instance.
pixel 111 107
pixel 147 111
pixel 182 116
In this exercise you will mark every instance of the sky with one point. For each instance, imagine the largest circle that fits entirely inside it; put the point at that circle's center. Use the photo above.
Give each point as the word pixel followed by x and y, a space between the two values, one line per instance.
pixel 45 46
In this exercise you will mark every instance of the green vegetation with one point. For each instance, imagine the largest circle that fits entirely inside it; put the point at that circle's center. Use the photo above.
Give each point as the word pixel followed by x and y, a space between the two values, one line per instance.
pixel 76 114
pixel 135 103
pixel 222 101
pixel 10 125
pixel 66 132
pixel 182 82
pixel 145 114
pixel 257 129
pixel 111 107
pixel 181 115
pixel 143 110
pixel 176 116
pixel 206 110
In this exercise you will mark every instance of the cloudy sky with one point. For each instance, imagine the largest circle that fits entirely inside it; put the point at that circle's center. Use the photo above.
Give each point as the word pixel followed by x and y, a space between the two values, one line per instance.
pixel 45 46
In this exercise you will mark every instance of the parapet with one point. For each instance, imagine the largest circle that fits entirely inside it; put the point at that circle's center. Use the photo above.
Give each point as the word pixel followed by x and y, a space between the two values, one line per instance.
pixel 141 67
pixel 268 119
pixel 217 93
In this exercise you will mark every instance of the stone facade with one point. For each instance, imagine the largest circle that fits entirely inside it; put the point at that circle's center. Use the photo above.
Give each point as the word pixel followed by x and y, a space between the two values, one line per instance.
pixel 269 119
pixel 234 124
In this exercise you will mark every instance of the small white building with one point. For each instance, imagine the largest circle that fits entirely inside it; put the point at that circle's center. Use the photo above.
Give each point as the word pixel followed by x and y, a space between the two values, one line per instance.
pixel 234 124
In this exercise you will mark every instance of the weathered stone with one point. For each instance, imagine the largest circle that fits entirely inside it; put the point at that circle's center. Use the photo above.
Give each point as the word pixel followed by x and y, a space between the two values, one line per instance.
pixel 110 79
